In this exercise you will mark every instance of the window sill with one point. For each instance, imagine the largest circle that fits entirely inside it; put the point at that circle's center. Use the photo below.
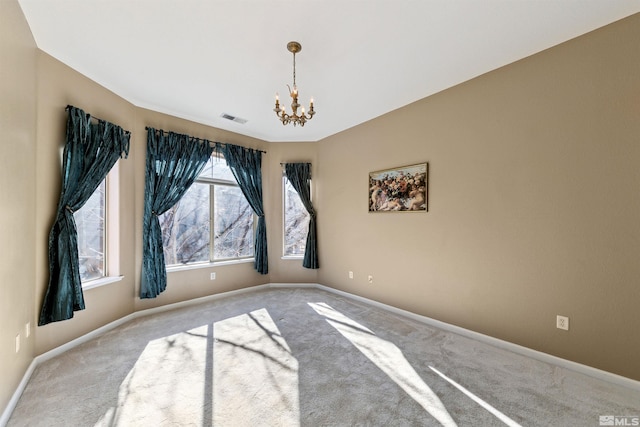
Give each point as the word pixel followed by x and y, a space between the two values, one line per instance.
pixel 101 282
pixel 293 257
pixel 174 268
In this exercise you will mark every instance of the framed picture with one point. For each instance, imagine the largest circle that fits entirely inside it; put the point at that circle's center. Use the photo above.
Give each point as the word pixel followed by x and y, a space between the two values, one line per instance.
pixel 402 189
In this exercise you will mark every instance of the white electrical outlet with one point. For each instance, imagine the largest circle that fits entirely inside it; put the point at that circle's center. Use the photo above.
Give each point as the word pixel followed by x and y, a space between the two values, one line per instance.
pixel 351 275
pixel 18 343
pixel 27 329
pixel 370 278
pixel 562 322
pixel 213 276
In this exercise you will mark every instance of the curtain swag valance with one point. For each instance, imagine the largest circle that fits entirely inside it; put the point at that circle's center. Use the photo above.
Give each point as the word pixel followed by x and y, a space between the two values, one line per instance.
pixel 90 151
pixel 217 146
pixel 173 163
pixel 299 175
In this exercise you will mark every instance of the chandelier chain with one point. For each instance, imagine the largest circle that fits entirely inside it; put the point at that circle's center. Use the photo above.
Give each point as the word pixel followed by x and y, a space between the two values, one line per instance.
pixel 294 69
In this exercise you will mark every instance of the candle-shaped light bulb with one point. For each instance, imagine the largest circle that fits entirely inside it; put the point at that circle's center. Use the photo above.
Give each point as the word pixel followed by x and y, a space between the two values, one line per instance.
pixel 277 97
pixel 303 111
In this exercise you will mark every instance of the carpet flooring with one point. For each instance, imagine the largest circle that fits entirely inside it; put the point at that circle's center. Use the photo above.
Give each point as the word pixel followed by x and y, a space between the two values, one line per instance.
pixel 305 357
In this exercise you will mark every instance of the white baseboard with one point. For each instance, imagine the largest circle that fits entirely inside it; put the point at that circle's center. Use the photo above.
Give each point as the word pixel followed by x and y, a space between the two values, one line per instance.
pixel 515 348
pixel 147 312
pixel 6 414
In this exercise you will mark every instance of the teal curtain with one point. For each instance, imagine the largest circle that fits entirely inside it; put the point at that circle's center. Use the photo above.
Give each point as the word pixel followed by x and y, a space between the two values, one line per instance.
pixel 246 165
pixel 173 163
pixel 90 151
pixel 299 175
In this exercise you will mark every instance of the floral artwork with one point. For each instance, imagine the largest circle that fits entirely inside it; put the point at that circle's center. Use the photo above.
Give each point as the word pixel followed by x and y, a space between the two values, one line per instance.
pixel 399 189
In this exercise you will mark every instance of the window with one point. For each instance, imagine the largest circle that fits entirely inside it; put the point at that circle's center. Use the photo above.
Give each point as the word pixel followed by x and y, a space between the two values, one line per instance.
pixel 91 227
pixel 212 221
pixel 296 221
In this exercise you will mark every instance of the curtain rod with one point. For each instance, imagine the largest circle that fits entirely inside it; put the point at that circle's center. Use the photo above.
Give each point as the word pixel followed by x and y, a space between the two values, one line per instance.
pixel 200 139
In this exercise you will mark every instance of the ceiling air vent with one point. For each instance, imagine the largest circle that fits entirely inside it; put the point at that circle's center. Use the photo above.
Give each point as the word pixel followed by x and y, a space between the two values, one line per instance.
pixel 233 118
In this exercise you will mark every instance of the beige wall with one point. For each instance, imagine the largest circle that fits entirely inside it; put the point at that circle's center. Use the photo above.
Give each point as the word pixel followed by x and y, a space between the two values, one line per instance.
pixel 534 202
pixel 17 194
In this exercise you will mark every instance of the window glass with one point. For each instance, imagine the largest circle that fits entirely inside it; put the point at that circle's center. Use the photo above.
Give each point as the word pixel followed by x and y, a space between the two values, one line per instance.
pixel 296 222
pixel 90 224
pixel 217 169
pixel 233 219
pixel 185 227
pixel 213 202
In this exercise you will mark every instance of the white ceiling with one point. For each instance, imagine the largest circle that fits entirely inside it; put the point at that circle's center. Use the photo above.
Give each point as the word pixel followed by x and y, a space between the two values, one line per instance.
pixel 198 59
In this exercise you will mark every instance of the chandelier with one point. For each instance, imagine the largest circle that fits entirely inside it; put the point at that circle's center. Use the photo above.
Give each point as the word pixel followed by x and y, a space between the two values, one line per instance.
pixel 294 117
